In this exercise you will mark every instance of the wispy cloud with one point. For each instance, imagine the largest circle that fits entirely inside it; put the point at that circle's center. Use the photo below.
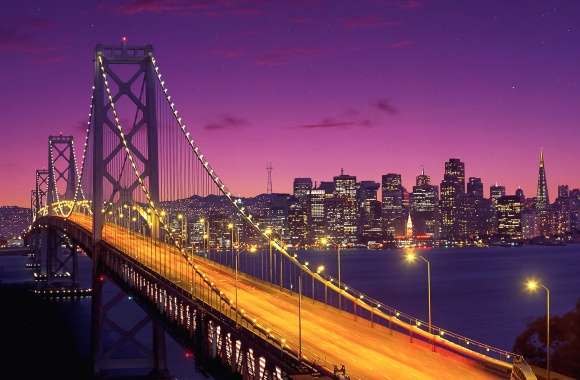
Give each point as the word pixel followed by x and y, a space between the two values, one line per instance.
pixel 226 122
pixel 353 117
pixel 335 123
pixel 385 105
pixel 328 123
pixel 368 22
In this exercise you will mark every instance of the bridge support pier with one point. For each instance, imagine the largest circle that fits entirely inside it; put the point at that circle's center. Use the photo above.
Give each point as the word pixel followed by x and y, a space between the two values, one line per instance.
pixel 107 358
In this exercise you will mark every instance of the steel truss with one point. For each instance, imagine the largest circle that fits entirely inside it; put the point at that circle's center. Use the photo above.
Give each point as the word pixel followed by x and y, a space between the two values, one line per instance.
pixel 138 58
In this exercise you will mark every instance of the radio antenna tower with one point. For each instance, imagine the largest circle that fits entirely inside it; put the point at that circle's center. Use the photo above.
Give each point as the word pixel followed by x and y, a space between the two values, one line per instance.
pixel 269 185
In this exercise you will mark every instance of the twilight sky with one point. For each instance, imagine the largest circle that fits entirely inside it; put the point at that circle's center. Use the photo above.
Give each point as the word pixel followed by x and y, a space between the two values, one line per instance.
pixel 314 86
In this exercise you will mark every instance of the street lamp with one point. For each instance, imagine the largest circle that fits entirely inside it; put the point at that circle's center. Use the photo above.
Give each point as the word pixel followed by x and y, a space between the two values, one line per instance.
pixel 532 286
pixel 411 258
pixel 300 310
pixel 319 270
pixel 235 257
pixel 325 241
pixel 268 233
pixel 183 228
pixel 231 228
pixel 205 235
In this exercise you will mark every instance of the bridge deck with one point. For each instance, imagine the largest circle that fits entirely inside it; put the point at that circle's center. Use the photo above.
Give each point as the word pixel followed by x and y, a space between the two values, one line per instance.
pixel 337 337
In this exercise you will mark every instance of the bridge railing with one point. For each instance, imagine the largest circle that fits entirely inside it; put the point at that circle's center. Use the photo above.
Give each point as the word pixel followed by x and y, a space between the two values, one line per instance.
pixel 436 333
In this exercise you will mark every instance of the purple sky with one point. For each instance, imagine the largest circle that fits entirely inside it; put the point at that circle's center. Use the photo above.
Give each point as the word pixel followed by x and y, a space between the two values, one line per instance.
pixel 313 86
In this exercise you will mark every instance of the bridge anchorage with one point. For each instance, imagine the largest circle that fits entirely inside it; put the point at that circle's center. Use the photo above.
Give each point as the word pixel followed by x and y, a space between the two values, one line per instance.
pixel 161 227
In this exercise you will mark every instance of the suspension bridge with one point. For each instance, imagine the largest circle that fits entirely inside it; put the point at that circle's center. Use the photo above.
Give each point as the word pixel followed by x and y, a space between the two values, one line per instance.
pixel 158 222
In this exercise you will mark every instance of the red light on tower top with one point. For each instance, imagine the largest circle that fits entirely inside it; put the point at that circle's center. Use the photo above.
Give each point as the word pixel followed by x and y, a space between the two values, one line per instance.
pixel 124 40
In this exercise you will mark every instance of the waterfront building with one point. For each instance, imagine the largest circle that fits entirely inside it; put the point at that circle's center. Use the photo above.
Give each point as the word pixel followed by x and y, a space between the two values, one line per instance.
pixel 474 209
pixel 369 225
pixel 302 187
pixel 392 204
pixel 495 193
pixel 452 188
pixel 297 222
pixel 509 216
pixel 423 206
pixel 561 212
pixel 344 210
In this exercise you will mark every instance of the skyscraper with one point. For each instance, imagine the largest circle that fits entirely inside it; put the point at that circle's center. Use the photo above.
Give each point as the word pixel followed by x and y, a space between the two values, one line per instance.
pixel 542 198
pixel 423 206
pixel 474 209
pixel 317 213
pixel 345 208
pixel 299 212
pixel 369 226
pixel 452 193
pixel 562 212
pixel 495 192
pixel 543 214
pixel 302 187
pixel 509 216
pixel 392 197
pixel 520 194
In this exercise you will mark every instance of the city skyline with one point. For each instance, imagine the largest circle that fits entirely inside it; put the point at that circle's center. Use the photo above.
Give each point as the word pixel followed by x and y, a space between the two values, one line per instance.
pixel 463 76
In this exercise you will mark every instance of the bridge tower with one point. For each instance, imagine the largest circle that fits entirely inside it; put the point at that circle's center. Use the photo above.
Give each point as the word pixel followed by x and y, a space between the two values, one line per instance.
pixel 60 253
pixel 61 169
pixel 131 80
pixel 40 189
pixel 117 60
pixel 37 201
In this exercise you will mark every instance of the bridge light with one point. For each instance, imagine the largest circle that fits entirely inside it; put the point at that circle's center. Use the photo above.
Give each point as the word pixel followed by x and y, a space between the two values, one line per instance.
pixel 320 269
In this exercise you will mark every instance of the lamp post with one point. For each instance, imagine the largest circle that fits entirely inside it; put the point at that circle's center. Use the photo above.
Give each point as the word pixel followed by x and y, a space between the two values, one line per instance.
pixel 182 229
pixel 231 228
pixel 300 314
pixel 282 270
pixel 319 270
pixel 205 236
pixel 532 286
pixel 411 257
pixel 235 258
pixel 325 242
pixel 268 233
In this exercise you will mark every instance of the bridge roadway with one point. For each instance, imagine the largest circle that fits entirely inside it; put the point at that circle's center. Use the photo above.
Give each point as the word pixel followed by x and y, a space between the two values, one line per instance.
pixel 368 352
